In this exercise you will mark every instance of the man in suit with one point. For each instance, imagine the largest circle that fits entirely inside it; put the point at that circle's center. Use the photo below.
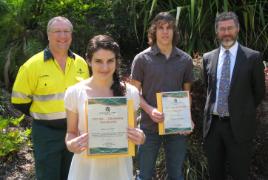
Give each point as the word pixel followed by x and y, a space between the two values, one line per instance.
pixel 234 77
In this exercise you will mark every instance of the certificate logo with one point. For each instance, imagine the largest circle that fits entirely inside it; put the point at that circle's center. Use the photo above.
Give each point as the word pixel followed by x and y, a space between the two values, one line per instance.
pixel 107 109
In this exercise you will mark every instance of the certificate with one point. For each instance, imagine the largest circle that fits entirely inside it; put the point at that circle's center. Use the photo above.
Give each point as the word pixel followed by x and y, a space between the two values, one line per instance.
pixel 176 108
pixel 107 120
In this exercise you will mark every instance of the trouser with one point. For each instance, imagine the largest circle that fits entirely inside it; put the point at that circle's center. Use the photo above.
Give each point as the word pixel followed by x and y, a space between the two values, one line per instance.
pixel 175 150
pixel 52 159
pixel 221 147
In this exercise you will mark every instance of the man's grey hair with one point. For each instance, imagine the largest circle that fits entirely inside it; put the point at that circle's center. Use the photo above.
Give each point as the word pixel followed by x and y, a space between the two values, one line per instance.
pixel 226 16
pixel 59 18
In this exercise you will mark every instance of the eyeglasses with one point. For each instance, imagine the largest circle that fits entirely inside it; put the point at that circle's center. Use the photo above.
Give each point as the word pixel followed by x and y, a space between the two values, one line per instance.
pixel 228 29
pixel 59 32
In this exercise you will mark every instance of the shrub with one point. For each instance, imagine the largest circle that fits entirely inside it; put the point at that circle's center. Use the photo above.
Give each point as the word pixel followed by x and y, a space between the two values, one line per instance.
pixel 12 137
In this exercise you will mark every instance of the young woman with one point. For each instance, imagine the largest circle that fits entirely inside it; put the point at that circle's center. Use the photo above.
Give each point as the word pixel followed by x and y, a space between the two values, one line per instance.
pixel 103 56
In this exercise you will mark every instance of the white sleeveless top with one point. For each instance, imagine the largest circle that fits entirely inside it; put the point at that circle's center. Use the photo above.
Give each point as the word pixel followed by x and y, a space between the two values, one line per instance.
pixel 83 168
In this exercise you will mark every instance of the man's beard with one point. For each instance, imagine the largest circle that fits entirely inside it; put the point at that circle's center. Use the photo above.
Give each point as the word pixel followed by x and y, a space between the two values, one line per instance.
pixel 229 42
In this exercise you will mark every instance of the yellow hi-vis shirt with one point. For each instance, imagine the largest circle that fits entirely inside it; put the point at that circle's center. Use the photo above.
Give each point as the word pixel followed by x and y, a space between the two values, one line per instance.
pixel 41 82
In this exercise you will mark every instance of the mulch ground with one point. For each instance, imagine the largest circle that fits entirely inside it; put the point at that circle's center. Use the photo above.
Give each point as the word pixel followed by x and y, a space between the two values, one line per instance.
pixel 18 166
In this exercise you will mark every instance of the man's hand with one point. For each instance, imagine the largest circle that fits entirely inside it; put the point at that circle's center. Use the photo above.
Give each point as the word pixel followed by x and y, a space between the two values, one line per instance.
pixel 155 115
pixel 185 133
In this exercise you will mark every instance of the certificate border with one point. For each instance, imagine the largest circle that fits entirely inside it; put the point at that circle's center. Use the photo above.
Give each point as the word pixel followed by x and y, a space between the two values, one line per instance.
pixel 161 125
pixel 131 123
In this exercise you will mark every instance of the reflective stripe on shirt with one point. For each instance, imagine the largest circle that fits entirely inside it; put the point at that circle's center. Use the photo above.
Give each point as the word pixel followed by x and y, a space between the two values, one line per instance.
pixel 41 82
pixel 49 97
pixel 21 95
pixel 48 116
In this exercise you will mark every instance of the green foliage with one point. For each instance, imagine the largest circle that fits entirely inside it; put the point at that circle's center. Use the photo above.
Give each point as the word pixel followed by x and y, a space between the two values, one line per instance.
pixel 12 138
pixel 23 33
pixel 19 30
pixel 195 164
pixel 196 21
pixel 23 24
pixel 88 18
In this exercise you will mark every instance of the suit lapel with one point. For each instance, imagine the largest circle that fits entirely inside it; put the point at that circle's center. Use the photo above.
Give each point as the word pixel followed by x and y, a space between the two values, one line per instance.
pixel 214 65
pixel 238 62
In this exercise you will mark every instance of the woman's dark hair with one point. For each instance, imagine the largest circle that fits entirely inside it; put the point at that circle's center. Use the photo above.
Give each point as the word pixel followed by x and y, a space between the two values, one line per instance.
pixel 106 42
pixel 160 18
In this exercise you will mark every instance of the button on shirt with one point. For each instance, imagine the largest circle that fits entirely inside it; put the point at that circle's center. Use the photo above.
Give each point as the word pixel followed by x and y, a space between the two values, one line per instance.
pixel 233 53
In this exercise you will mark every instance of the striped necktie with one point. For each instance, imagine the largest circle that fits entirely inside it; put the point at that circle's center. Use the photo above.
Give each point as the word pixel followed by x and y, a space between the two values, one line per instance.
pixel 222 107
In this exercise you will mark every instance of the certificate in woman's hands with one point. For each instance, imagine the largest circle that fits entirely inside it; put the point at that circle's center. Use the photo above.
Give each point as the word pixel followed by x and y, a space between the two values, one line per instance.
pixel 177 112
pixel 107 121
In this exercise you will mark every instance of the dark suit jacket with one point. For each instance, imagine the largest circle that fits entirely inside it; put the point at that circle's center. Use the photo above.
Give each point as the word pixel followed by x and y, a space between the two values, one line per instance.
pixel 247 89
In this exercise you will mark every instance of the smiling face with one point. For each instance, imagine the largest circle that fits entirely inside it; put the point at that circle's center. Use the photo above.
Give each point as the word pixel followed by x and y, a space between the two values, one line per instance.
pixel 227 33
pixel 103 64
pixel 164 34
pixel 60 35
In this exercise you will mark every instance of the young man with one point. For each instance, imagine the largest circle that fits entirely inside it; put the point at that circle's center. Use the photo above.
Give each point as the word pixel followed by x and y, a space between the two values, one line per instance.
pixel 39 91
pixel 234 77
pixel 161 67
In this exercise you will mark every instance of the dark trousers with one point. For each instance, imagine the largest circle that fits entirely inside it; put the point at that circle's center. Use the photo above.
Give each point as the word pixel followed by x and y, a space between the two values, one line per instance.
pixel 52 159
pixel 221 148
pixel 175 150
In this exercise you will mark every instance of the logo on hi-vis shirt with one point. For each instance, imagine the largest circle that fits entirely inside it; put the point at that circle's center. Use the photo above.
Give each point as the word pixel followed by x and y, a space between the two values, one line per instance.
pixel 80 71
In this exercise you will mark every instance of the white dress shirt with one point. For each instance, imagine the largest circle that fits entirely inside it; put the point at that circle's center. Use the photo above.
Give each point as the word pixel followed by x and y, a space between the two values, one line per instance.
pixel 233 53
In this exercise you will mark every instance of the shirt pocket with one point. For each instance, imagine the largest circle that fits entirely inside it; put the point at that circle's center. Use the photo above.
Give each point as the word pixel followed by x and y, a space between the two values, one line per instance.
pixel 46 84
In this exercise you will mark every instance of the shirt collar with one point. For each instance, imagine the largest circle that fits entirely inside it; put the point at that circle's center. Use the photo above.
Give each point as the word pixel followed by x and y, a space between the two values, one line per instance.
pixel 155 50
pixel 48 55
pixel 232 50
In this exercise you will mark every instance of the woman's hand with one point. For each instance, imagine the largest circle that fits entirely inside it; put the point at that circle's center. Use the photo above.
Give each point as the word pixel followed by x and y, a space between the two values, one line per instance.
pixel 136 135
pixel 78 144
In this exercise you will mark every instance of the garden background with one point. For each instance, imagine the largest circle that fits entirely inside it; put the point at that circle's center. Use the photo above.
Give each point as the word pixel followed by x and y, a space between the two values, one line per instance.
pixel 23 33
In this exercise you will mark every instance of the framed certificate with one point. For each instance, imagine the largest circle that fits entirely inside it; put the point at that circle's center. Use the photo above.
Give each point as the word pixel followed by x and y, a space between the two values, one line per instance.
pixel 107 120
pixel 176 108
